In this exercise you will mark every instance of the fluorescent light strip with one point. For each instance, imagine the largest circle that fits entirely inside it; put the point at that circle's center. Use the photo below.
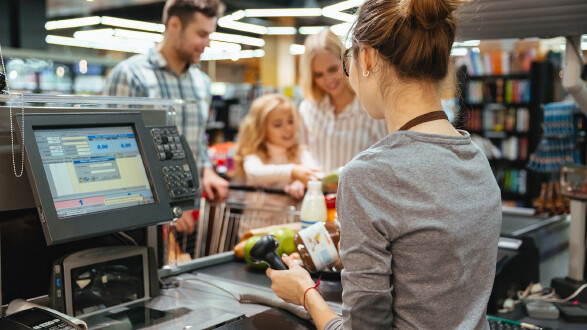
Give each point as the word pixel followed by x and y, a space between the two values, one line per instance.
pixel 335 11
pixel 230 24
pixel 281 30
pixel 311 29
pixel 338 15
pixel 93 34
pixel 233 56
pixel 296 49
pixel 122 33
pixel 237 39
pixel 66 41
pixel 128 23
pixel 235 16
pixel 219 46
pixel 74 22
pixel 286 12
pixel 343 5
pixel 341 29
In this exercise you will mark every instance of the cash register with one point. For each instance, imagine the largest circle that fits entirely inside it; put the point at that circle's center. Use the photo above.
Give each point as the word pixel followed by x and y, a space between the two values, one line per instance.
pixel 96 173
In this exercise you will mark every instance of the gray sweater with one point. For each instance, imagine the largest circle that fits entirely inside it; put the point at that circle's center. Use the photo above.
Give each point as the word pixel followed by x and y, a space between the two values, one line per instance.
pixel 420 217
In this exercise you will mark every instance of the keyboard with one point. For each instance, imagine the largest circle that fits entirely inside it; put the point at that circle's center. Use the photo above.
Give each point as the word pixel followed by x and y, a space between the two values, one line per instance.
pixel 502 325
pixel 496 323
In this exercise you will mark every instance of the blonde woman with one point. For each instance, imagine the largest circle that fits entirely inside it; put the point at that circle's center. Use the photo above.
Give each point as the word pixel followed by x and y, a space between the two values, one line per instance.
pixel 335 125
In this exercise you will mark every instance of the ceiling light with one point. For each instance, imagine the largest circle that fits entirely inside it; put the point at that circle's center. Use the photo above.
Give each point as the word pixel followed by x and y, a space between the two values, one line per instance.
pixel 93 34
pixel 223 46
pixel 335 11
pixel 289 12
pixel 228 56
pixel 129 23
pixel 236 15
pixel 343 5
pixel 227 22
pixel 281 30
pixel 296 49
pixel 311 29
pixel 341 29
pixel 73 22
pixel 338 15
pixel 237 39
pixel 111 44
pixel 154 37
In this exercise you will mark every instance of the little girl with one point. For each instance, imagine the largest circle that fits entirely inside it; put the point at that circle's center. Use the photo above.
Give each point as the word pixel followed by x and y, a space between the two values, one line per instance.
pixel 268 154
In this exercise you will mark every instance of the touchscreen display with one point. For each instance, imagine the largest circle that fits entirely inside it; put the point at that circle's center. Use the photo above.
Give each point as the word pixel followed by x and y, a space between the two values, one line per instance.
pixel 93 169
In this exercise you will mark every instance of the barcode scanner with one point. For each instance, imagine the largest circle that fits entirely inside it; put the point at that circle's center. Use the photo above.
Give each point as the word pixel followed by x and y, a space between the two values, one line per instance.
pixel 264 251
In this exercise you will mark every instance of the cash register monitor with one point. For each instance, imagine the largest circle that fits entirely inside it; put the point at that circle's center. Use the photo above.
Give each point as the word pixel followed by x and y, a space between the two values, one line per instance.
pixel 93 174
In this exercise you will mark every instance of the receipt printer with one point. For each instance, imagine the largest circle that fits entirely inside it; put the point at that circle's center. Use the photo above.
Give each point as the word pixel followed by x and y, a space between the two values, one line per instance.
pixel 96 279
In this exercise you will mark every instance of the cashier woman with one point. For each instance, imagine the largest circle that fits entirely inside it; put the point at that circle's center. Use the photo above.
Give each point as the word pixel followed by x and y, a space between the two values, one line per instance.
pixel 420 209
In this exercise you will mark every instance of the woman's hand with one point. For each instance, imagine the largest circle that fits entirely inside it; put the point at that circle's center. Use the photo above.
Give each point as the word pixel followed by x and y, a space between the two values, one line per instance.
pixel 295 189
pixel 303 174
pixel 290 284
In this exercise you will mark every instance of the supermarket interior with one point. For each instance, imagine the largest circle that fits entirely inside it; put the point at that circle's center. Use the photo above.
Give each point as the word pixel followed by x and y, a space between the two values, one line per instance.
pixel 302 164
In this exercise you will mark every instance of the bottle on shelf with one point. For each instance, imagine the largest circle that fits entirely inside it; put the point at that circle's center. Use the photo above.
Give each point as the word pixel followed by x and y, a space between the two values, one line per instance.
pixel 313 206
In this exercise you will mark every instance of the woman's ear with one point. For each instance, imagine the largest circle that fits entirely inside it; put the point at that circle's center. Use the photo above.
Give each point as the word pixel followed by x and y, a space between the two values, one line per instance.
pixel 367 59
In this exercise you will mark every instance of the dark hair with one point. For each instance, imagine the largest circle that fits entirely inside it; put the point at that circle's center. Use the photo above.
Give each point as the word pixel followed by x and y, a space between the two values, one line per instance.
pixel 184 9
pixel 415 36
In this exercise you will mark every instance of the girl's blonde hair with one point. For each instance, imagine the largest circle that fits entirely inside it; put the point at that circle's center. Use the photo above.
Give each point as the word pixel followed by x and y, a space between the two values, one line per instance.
pixel 253 131
pixel 322 41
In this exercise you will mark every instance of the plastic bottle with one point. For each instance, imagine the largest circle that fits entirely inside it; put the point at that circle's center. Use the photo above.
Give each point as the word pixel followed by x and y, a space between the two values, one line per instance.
pixel 313 206
pixel 330 207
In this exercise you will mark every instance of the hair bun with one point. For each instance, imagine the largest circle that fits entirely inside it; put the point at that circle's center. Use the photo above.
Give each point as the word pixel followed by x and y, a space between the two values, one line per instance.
pixel 429 13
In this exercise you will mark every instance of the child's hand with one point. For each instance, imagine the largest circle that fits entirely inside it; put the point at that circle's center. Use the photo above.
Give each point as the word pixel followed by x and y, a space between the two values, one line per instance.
pixel 295 189
pixel 303 174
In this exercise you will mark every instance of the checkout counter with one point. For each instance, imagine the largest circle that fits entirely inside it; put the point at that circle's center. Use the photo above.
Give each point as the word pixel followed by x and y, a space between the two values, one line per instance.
pixel 216 291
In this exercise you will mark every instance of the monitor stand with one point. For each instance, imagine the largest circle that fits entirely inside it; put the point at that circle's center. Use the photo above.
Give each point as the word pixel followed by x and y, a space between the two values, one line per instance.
pixel 566 286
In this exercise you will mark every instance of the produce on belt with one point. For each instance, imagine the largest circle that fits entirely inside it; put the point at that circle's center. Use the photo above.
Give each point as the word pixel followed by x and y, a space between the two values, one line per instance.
pixel 285 237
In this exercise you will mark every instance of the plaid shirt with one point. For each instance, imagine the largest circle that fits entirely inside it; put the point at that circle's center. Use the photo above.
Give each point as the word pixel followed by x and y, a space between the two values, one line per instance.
pixel 148 75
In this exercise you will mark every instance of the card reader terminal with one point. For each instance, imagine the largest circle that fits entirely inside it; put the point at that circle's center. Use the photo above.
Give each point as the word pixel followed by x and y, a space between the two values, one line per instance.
pixel 177 164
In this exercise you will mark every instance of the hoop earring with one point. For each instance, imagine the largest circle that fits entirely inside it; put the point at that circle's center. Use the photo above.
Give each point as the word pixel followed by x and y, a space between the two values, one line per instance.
pixel 366 75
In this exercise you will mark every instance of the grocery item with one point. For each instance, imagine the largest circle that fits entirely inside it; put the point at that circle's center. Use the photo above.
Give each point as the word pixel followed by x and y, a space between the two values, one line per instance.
pixel 318 246
pixel 284 233
pixel 313 206
pixel 295 226
pixel 285 237
pixel 330 207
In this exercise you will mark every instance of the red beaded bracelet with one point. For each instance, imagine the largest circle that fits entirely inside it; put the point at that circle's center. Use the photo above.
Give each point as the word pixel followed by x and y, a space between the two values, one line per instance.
pixel 310 288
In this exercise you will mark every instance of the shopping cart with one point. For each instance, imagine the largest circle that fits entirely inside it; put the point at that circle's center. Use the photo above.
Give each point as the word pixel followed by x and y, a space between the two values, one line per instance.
pixel 220 226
